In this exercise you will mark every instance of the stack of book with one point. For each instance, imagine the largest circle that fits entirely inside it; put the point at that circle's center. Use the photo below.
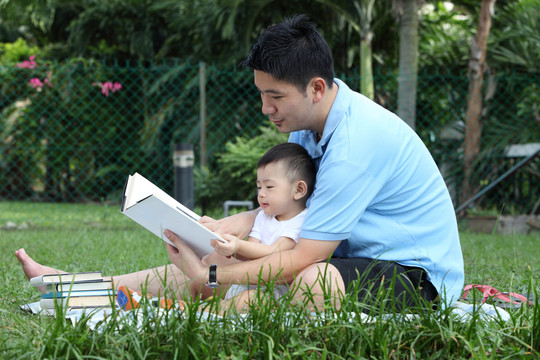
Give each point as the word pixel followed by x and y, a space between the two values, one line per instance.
pixel 76 290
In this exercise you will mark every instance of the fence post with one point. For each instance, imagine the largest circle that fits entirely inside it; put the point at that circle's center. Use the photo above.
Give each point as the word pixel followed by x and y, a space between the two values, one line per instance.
pixel 183 160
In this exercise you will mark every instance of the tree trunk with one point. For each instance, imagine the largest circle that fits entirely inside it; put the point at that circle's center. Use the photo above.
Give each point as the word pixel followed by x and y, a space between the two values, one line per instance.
pixel 477 67
pixel 408 62
pixel 366 67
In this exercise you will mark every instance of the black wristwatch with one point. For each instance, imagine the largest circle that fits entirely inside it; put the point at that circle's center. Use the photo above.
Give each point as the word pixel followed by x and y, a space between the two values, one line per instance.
pixel 212 277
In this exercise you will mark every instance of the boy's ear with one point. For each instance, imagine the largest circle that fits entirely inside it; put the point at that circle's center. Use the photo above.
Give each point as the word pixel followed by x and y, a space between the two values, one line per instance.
pixel 301 190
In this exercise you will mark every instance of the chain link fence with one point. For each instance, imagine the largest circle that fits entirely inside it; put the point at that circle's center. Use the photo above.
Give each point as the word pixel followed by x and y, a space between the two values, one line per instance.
pixel 72 132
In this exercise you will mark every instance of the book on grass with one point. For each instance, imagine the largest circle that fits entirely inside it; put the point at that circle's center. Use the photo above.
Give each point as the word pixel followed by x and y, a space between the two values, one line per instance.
pixel 66 278
pixel 105 284
pixel 82 293
pixel 78 299
pixel 155 210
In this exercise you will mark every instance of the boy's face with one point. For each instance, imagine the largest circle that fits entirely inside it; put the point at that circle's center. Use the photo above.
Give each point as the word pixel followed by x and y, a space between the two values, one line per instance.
pixel 275 191
pixel 287 107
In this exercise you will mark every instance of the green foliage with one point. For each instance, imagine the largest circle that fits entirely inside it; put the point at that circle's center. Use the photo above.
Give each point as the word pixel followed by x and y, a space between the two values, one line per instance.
pixel 236 174
pixel 239 161
pixel 58 114
pixel 444 36
pixel 11 53
pixel 516 37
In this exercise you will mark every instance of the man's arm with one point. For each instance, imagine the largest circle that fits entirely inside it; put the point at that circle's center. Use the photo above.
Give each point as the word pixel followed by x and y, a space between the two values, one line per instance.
pixel 286 264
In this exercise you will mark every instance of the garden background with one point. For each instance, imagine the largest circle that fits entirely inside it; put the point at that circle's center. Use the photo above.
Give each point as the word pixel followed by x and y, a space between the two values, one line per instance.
pixel 91 92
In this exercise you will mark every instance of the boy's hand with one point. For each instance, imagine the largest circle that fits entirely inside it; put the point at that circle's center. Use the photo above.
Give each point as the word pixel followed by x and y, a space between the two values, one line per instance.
pixel 228 248
pixel 238 224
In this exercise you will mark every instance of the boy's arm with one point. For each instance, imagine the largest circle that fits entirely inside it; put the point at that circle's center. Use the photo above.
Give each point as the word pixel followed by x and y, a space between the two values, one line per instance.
pixel 253 249
pixel 238 225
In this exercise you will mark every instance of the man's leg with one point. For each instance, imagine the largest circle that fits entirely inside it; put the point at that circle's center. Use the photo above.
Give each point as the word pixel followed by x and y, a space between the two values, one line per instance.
pixel 152 280
pixel 386 282
pixel 316 283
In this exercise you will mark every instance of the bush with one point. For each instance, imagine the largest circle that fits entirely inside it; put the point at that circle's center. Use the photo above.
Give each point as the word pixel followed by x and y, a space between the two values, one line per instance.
pixel 236 173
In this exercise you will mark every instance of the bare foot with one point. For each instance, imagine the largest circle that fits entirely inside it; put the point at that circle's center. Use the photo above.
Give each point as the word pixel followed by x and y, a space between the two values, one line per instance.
pixel 32 268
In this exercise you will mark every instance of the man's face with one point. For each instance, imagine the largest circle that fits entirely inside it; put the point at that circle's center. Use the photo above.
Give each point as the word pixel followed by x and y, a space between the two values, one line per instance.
pixel 287 107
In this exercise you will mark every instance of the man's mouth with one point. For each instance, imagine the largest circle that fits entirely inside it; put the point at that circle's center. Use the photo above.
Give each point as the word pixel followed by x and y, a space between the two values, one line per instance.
pixel 277 122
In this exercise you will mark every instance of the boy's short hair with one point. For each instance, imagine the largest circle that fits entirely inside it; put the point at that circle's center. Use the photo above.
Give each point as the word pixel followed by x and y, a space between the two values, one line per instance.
pixel 292 51
pixel 296 160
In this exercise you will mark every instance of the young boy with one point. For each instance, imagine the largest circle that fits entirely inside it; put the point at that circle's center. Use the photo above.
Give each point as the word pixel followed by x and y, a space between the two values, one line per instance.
pixel 285 180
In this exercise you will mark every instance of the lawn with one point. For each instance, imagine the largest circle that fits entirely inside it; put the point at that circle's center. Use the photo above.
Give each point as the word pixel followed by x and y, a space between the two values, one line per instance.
pixel 77 237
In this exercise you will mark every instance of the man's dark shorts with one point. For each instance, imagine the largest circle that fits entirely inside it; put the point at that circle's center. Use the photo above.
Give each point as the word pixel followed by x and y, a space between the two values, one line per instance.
pixel 375 279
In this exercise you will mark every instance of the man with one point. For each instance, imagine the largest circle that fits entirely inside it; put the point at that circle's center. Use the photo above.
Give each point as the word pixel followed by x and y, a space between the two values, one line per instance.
pixel 380 216
pixel 378 196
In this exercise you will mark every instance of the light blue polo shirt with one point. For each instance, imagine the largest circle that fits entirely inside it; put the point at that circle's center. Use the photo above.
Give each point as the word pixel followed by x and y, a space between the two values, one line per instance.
pixel 379 190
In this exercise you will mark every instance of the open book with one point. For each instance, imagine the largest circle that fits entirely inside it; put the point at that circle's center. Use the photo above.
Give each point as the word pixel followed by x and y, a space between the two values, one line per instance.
pixel 155 210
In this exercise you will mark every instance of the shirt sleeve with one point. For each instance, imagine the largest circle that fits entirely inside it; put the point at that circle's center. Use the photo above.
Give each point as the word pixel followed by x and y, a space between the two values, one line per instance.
pixel 343 191
pixel 293 226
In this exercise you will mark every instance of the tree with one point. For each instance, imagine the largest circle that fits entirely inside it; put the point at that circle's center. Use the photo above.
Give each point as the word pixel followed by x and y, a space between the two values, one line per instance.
pixel 477 67
pixel 359 14
pixel 408 60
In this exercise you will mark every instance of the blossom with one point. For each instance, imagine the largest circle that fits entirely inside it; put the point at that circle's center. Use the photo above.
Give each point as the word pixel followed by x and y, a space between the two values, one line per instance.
pixel 27 64
pixel 108 86
pixel 36 83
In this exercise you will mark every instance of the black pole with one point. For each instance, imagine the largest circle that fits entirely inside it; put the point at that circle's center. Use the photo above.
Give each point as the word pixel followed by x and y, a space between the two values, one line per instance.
pixel 183 160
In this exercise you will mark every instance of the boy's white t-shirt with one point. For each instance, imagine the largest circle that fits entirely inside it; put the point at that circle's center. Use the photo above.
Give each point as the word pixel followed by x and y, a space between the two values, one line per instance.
pixel 267 229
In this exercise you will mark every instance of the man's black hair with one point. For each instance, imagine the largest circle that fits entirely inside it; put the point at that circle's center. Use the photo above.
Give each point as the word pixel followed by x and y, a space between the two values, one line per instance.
pixel 296 160
pixel 292 51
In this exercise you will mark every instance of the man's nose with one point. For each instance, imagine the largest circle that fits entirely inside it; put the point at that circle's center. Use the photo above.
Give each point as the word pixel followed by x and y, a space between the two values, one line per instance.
pixel 268 108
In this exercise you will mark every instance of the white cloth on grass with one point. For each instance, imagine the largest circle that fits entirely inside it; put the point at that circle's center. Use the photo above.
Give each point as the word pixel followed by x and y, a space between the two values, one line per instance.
pixel 99 317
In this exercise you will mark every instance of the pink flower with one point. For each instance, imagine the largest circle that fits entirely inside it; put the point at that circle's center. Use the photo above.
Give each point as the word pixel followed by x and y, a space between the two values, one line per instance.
pixel 36 83
pixel 108 86
pixel 27 64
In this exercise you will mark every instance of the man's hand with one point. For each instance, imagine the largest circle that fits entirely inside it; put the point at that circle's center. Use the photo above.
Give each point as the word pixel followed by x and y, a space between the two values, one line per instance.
pixel 229 248
pixel 184 258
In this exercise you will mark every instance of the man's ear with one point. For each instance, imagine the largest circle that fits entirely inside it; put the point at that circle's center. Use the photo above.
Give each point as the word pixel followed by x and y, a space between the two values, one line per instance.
pixel 317 86
pixel 301 190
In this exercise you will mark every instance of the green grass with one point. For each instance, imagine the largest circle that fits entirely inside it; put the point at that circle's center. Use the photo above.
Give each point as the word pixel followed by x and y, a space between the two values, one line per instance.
pixel 77 237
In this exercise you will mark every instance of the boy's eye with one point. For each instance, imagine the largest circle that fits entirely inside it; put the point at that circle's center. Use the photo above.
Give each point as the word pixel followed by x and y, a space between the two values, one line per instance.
pixel 269 187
